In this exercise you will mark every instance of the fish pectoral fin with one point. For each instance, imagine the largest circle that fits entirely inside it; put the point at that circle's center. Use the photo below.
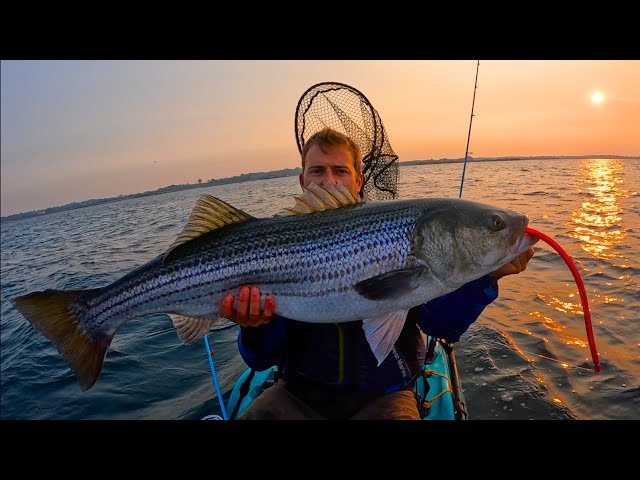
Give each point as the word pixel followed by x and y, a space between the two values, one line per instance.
pixel 192 329
pixel 382 332
pixel 390 285
pixel 209 213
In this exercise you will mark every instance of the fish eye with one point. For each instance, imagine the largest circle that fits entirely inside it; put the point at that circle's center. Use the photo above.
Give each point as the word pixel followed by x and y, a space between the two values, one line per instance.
pixel 497 223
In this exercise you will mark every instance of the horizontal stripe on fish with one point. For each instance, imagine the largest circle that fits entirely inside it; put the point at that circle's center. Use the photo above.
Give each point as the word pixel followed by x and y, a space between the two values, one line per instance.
pixel 327 255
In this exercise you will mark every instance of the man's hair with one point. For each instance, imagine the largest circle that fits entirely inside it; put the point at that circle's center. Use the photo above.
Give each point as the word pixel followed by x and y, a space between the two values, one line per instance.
pixel 328 138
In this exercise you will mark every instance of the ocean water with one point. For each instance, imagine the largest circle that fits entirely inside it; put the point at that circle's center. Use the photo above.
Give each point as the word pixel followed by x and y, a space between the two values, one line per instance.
pixel 526 357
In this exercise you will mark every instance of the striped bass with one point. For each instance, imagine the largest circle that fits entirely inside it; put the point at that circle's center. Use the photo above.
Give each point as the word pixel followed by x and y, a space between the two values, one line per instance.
pixel 331 261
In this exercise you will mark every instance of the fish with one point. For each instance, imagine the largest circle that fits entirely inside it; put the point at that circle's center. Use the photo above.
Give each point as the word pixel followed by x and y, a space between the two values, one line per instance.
pixel 329 259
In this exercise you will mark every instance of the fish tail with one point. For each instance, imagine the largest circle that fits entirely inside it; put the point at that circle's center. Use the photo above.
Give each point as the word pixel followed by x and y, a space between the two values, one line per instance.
pixel 60 317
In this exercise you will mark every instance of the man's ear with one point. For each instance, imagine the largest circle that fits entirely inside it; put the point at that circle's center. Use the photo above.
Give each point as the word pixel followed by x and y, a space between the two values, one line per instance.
pixel 360 181
pixel 301 180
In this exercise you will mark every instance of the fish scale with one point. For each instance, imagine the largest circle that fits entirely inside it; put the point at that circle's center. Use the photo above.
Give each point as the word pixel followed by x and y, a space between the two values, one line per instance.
pixel 253 247
pixel 248 253
pixel 312 250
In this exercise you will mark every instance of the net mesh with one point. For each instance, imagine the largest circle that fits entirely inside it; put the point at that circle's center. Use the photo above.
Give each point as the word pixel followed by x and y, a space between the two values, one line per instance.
pixel 347 110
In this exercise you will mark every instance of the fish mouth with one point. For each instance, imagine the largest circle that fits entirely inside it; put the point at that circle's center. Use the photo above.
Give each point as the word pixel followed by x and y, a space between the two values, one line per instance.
pixel 522 241
pixel 527 241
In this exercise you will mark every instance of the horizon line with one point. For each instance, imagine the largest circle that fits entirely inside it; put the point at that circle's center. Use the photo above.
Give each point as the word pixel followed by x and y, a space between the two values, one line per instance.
pixel 227 180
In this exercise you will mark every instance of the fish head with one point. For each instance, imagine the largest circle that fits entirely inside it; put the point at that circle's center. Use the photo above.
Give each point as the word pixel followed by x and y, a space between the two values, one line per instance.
pixel 461 240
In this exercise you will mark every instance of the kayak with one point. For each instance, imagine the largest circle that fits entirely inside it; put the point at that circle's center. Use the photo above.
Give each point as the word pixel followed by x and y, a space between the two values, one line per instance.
pixel 437 387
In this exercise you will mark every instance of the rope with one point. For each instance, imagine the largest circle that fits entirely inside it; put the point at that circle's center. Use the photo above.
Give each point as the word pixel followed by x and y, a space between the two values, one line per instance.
pixel 568 365
pixel 427 373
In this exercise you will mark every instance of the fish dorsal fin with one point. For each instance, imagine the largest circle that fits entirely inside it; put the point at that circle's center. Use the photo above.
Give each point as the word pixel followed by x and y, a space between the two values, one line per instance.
pixel 317 198
pixel 209 213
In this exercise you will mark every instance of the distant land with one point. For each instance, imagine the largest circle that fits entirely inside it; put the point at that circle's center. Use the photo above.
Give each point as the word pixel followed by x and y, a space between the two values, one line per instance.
pixel 287 172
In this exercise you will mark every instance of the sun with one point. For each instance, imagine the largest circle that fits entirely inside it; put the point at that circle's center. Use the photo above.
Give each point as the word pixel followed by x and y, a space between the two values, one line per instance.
pixel 597 98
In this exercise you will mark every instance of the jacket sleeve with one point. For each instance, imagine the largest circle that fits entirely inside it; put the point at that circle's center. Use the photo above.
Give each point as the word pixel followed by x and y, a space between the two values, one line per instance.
pixel 264 346
pixel 449 316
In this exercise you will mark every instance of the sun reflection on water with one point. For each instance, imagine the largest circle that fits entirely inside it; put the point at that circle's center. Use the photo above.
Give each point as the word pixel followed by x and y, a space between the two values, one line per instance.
pixel 561 330
pixel 597 223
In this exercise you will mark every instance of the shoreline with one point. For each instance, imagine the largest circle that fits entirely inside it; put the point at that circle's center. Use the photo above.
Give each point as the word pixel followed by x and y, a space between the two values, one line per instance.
pixel 246 177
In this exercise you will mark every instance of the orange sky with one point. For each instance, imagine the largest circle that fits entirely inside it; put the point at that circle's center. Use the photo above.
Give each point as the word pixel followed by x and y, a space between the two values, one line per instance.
pixel 74 130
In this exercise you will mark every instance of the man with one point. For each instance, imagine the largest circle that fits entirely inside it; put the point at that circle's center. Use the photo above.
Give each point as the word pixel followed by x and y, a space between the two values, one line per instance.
pixel 328 369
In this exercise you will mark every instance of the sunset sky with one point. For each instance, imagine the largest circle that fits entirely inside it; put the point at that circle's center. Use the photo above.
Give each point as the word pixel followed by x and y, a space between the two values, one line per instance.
pixel 75 130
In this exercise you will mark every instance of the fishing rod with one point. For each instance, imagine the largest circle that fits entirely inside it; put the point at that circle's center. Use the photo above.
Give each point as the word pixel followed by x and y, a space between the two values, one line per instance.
pixel 466 153
pixel 460 410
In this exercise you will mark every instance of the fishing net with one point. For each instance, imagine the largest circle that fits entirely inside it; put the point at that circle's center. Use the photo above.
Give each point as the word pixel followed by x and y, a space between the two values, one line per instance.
pixel 347 110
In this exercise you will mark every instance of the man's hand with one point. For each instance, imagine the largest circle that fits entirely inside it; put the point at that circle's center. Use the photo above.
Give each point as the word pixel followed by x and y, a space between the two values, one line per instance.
pixel 517 265
pixel 248 313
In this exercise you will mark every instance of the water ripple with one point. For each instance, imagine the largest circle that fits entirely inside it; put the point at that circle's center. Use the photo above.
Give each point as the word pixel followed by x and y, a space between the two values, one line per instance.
pixel 526 357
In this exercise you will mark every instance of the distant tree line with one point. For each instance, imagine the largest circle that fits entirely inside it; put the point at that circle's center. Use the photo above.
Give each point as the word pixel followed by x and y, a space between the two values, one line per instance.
pixel 245 177
pixel 287 172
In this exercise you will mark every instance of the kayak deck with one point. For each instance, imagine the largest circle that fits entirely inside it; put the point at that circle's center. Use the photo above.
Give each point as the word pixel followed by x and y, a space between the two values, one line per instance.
pixel 434 388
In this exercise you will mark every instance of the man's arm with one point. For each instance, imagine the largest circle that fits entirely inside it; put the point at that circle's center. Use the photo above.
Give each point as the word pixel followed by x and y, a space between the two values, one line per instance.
pixel 264 346
pixel 449 316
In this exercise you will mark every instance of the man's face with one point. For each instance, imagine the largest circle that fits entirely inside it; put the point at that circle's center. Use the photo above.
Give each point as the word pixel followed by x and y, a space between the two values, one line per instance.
pixel 334 166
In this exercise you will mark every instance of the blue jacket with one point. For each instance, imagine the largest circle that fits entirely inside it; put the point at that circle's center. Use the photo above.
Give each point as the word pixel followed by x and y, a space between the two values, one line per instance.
pixel 338 355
